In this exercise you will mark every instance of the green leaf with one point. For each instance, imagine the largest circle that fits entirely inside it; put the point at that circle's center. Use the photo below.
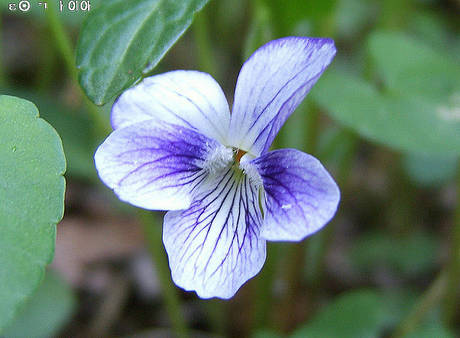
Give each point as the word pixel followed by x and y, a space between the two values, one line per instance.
pixel 409 67
pixel 354 314
pixel 32 200
pixel 413 124
pixel 45 312
pixel 121 40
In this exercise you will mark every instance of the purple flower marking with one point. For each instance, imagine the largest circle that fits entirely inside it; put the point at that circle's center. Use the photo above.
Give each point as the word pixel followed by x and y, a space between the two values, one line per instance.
pixel 175 146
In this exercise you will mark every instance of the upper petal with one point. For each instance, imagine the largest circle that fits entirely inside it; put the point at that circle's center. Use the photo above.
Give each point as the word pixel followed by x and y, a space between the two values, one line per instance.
pixel 187 98
pixel 154 165
pixel 271 84
pixel 300 195
pixel 214 246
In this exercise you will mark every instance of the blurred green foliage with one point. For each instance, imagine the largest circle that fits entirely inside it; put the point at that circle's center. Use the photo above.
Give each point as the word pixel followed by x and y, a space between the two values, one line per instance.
pixel 394 82
pixel 430 171
pixel 401 254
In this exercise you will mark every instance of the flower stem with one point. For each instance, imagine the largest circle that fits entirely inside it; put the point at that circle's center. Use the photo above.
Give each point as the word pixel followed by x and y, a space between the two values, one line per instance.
pixel 153 234
pixel 260 28
pixel 450 303
pixel 64 47
pixel 427 302
pixel 45 73
pixel 206 60
pixel 62 42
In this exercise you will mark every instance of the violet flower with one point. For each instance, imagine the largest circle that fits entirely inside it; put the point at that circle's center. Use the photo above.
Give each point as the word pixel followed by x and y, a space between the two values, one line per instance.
pixel 176 146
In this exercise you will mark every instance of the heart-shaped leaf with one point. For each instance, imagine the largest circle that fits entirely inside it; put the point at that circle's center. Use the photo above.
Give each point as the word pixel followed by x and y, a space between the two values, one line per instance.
pixel 31 200
pixel 122 39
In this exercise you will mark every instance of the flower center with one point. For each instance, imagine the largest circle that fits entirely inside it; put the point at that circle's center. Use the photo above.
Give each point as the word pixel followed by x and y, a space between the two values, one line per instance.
pixel 223 157
pixel 239 154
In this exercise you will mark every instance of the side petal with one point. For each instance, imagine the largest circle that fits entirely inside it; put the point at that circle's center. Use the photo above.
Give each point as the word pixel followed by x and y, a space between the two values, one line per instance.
pixel 154 165
pixel 300 195
pixel 187 98
pixel 271 84
pixel 214 246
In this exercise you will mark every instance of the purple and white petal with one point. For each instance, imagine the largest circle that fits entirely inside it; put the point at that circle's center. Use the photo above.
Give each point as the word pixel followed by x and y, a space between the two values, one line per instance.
pixel 300 195
pixel 271 84
pixel 154 165
pixel 187 98
pixel 214 246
